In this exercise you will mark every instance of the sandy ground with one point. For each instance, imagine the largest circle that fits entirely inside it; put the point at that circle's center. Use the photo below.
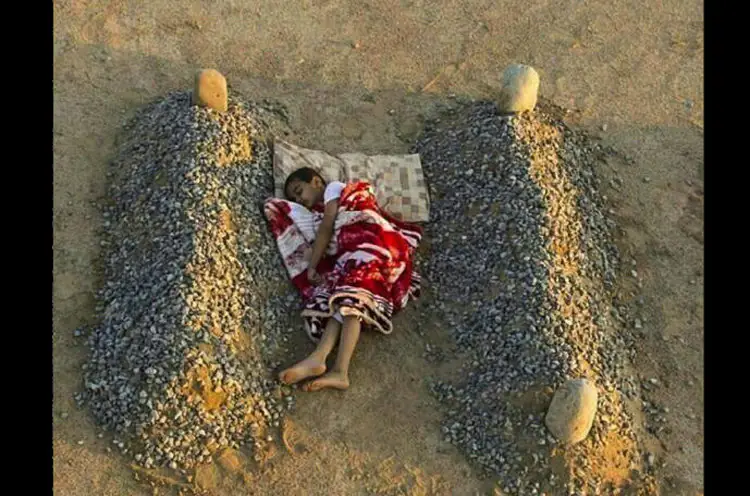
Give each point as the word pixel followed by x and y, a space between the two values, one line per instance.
pixel 633 71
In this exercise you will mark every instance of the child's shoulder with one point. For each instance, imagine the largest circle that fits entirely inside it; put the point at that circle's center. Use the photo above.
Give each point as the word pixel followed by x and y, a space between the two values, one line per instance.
pixel 335 185
pixel 333 191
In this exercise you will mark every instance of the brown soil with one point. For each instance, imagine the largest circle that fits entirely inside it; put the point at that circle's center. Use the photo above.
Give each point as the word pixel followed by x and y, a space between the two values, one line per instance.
pixel 340 67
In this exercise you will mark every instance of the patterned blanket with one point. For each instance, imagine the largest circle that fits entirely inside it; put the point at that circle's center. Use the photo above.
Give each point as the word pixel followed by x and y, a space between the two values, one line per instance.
pixel 367 270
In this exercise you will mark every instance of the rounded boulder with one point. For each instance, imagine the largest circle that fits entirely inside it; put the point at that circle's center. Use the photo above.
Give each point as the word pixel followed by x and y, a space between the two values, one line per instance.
pixel 210 90
pixel 571 412
pixel 520 86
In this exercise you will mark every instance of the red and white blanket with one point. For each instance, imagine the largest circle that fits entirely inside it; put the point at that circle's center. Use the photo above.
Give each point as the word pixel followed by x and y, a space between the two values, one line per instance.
pixel 367 270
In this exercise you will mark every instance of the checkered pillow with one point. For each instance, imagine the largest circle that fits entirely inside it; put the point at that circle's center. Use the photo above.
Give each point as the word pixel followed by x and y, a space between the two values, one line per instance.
pixel 287 158
pixel 398 181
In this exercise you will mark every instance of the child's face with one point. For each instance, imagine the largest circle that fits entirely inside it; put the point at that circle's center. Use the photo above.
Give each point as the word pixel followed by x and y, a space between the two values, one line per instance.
pixel 307 194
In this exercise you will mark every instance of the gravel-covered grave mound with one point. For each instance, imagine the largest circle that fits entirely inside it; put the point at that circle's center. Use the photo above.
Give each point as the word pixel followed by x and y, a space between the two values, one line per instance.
pixel 195 298
pixel 522 265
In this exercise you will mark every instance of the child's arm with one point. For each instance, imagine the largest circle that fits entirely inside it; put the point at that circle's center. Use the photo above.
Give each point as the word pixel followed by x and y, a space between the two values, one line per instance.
pixel 322 239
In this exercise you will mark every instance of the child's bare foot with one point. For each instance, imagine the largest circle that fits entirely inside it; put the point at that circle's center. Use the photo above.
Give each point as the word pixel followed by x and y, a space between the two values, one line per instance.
pixel 308 367
pixel 332 379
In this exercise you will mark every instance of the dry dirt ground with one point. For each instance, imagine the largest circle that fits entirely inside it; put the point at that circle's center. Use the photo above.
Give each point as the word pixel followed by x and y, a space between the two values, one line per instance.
pixel 632 70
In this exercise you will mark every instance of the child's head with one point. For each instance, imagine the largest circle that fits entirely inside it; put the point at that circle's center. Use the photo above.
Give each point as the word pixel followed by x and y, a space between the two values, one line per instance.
pixel 305 186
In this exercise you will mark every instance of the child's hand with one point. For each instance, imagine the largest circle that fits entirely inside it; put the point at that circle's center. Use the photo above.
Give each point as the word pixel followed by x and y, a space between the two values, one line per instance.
pixel 313 276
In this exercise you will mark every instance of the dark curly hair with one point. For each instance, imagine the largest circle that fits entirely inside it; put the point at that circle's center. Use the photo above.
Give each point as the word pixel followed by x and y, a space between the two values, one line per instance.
pixel 305 175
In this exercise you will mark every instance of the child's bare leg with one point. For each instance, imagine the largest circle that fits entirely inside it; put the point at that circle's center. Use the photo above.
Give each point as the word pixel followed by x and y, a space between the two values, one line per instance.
pixel 315 364
pixel 338 377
